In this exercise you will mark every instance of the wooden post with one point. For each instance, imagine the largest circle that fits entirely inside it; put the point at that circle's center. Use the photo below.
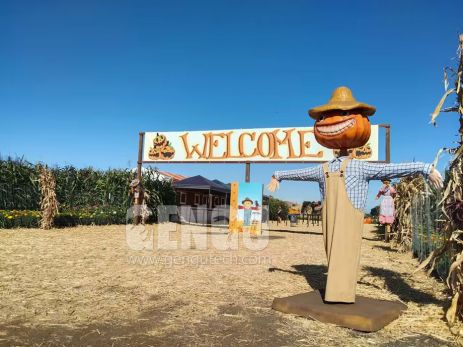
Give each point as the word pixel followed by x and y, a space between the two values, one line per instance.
pixel 248 172
pixel 233 207
pixel 387 232
pixel 141 137
pixel 388 143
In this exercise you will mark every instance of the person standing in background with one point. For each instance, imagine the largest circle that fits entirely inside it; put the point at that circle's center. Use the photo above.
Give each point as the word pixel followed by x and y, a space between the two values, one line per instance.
pixel 386 208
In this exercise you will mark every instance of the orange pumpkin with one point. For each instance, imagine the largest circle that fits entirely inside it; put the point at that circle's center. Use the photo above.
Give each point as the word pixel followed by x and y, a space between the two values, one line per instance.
pixel 154 153
pixel 159 140
pixel 167 152
pixel 339 129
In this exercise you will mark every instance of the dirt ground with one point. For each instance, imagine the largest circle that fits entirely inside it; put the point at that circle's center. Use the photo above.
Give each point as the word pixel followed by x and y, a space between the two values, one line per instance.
pixel 89 286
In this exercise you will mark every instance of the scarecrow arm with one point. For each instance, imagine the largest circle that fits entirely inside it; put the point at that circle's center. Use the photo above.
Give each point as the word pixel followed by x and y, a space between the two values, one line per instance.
pixel 373 171
pixel 308 174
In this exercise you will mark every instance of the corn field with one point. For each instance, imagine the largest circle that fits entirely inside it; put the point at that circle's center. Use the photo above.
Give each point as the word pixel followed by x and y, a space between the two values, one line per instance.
pixel 77 189
pixel 19 189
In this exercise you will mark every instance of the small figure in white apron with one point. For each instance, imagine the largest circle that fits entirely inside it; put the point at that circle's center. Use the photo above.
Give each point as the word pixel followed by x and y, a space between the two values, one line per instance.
pixel 343 124
pixel 386 209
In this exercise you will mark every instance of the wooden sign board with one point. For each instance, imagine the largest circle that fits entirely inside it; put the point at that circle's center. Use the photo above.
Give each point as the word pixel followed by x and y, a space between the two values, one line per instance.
pixel 245 145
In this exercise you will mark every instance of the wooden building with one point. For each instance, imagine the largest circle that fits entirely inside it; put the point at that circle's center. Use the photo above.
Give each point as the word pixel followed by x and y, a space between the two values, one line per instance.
pixel 202 192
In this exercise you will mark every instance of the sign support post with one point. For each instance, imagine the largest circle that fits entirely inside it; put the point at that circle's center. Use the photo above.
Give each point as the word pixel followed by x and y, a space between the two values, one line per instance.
pixel 388 141
pixel 247 176
pixel 141 136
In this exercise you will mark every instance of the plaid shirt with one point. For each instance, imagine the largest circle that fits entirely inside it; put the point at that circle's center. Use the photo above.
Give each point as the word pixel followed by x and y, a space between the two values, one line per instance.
pixel 358 174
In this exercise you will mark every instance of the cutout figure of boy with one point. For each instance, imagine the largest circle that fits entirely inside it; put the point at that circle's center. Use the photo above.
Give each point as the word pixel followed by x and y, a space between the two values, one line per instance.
pixel 342 124
pixel 247 206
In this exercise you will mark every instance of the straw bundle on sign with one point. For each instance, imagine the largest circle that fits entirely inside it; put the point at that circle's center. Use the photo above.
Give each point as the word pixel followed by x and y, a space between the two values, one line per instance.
pixel 48 203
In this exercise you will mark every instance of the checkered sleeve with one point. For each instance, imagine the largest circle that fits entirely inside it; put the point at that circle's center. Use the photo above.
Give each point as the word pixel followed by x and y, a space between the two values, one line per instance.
pixel 377 171
pixel 307 174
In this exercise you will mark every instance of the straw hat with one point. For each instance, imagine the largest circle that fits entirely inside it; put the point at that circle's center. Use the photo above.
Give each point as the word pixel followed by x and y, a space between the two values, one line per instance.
pixel 247 199
pixel 341 99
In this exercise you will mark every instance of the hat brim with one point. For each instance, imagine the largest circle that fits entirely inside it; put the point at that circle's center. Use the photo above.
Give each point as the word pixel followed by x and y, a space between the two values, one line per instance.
pixel 316 112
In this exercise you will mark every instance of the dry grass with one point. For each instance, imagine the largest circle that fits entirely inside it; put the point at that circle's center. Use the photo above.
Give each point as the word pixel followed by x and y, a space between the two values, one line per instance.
pixel 77 287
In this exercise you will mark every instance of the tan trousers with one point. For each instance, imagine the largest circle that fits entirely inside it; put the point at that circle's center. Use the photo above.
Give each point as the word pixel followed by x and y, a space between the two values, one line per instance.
pixel 342 236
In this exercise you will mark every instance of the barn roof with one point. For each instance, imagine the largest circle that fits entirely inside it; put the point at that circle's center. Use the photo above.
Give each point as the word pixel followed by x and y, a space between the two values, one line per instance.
pixel 200 182
pixel 175 177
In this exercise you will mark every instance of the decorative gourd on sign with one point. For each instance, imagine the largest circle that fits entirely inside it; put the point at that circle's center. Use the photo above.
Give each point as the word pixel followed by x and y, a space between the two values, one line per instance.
pixel 250 145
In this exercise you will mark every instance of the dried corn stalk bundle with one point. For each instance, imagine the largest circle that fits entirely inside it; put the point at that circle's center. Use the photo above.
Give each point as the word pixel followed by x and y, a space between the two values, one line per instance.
pixel 452 206
pixel 407 189
pixel 48 203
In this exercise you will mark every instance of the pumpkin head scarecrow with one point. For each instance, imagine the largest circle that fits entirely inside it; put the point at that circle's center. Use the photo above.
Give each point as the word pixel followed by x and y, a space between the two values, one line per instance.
pixel 343 124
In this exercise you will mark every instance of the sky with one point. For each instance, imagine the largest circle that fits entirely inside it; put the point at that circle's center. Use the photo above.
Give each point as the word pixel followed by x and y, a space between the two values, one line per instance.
pixel 80 79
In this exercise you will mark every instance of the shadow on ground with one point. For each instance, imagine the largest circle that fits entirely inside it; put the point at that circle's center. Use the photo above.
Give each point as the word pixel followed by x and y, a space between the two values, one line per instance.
pixel 234 325
pixel 315 275
pixel 378 234
pixel 295 231
pixel 394 282
pixel 386 248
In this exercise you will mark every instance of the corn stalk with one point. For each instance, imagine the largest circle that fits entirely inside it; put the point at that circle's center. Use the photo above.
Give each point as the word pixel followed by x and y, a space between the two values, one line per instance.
pixel 452 205
pixel 78 189
pixel 407 189
pixel 453 209
pixel 19 188
pixel 48 203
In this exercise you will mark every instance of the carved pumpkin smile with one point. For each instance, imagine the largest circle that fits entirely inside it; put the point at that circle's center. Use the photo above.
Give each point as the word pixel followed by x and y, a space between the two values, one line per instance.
pixel 338 131
pixel 336 127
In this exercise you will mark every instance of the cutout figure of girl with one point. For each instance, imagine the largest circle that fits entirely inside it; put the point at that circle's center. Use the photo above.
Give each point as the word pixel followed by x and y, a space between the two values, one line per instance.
pixel 386 209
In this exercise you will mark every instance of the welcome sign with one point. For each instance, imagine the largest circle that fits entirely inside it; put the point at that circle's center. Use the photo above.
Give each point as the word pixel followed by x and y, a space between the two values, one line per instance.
pixel 246 145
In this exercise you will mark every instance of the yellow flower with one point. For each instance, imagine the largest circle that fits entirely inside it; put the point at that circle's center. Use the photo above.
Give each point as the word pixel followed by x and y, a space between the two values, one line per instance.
pixel 10 217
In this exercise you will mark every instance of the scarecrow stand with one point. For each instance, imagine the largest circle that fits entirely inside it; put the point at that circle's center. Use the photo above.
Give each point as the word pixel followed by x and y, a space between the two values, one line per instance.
pixel 366 314
pixel 342 124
